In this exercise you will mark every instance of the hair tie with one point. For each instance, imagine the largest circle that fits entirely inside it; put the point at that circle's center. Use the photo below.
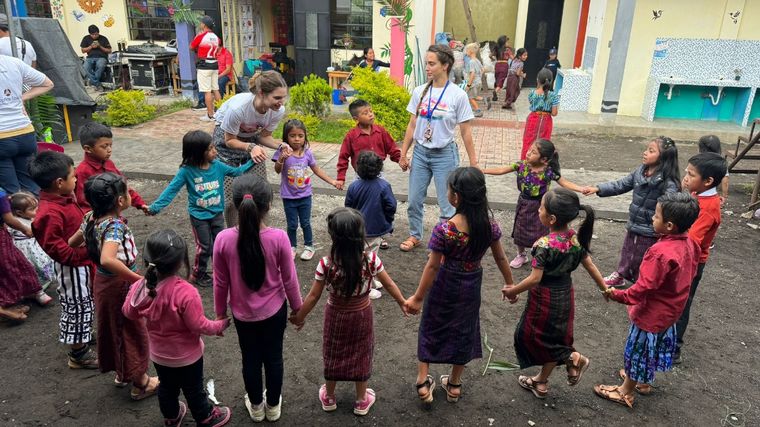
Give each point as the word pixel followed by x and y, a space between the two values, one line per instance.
pixel 150 264
pixel 247 197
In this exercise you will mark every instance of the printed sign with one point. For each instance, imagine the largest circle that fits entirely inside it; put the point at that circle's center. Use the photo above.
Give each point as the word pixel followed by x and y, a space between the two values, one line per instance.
pixel 661 48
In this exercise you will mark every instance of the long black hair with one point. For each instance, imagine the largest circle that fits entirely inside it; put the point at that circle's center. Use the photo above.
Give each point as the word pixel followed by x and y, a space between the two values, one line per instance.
pixel 346 229
pixel 520 52
pixel 469 184
pixel 194 146
pixel 565 206
pixel 102 193
pixel 165 252
pixel 252 197
pixel 668 162
pixel 545 79
pixel 501 47
pixel 547 151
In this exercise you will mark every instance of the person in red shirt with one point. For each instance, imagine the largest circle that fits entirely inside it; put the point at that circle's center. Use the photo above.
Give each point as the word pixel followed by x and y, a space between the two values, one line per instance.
pixel 58 219
pixel 96 140
pixel 657 298
pixel 225 61
pixel 703 176
pixel 206 45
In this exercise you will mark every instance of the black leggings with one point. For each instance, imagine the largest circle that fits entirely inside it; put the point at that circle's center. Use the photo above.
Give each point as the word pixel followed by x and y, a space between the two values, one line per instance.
pixel 261 344
pixel 190 380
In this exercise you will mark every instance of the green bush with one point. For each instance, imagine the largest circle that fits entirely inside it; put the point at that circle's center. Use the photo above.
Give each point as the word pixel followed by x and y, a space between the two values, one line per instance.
pixel 125 108
pixel 331 129
pixel 388 99
pixel 312 97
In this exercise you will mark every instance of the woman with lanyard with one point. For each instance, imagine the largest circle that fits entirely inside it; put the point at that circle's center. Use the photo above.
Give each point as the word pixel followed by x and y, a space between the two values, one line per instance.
pixel 436 108
pixel 370 62
pixel 245 123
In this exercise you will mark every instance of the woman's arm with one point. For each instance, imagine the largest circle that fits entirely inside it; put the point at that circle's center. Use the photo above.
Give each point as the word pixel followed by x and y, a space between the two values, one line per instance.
pixel 114 266
pixel 414 303
pixel 403 161
pixel 36 91
pixel 323 176
pixel 465 129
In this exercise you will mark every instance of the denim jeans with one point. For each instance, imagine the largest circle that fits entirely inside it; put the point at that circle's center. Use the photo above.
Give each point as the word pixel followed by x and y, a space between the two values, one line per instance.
pixel 261 346
pixel 15 153
pixel 94 68
pixel 189 379
pixel 427 164
pixel 298 210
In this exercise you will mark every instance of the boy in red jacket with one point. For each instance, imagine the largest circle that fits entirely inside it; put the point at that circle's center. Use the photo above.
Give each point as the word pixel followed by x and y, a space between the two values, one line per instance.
pixel 703 176
pixel 58 218
pixel 96 140
pixel 657 298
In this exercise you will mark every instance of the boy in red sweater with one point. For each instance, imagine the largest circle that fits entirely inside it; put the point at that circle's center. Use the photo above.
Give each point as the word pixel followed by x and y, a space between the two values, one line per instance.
pixel 96 140
pixel 657 298
pixel 58 218
pixel 703 176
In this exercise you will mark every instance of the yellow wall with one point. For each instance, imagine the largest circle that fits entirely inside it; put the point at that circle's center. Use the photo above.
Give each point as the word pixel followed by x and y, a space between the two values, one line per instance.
pixel 602 58
pixel 492 18
pixel 749 28
pixel 568 32
pixel 522 21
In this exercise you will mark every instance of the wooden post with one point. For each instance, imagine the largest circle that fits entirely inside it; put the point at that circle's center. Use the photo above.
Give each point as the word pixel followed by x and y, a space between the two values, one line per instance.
pixel 468 15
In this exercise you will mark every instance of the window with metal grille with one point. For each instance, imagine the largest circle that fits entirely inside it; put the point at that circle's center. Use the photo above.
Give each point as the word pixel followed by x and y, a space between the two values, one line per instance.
pixel 149 20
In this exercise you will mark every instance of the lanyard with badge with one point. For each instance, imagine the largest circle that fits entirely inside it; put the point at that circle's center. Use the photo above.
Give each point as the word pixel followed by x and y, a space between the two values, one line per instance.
pixel 429 116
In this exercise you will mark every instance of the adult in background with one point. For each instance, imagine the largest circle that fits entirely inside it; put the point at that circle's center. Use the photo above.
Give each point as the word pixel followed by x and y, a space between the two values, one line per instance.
pixel 370 62
pixel 225 61
pixel 24 49
pixel 17 140
pixel 436 109
pixel 205 45
pixel 97 48
pixel 244 124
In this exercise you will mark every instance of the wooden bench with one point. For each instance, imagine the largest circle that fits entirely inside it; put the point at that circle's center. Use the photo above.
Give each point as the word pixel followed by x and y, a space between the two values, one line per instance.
pixel 747 148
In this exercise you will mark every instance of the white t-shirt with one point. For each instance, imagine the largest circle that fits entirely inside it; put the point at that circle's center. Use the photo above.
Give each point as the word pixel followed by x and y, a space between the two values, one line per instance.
pixel 28 57
pixel 453 108
pixel 13 75
pixel 238 117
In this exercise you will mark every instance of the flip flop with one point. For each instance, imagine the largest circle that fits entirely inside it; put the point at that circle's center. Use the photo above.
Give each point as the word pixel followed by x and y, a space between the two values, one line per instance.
pixel 580 367
pixel 14 316
pixel 430 384
pixel 642 389
pixel 612 393
pixel 528 383
pixel 384 244
pixel 149 389
pixel 409 244
pixel 447 386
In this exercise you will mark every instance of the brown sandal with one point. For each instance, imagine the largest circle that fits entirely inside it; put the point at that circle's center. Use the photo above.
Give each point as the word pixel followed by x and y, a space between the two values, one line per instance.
pixel 613 394
pixel 446 385
pixel 580 367
pixel 409 244
pixel 149 389
pixel 12 314
pixel 642 389
pixel 528 383
pixel 430 384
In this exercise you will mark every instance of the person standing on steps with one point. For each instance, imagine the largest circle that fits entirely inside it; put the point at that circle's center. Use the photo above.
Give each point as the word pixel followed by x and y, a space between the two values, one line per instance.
pixel 436 109
pixel 97 48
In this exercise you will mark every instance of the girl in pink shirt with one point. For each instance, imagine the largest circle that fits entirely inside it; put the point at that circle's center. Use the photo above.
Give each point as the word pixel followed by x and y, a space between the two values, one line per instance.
pixel 174 317
pixel 254 271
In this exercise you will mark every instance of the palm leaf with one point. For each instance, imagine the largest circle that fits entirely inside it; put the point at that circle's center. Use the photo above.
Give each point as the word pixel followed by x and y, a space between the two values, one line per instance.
pixel 496 365
pixel 44 113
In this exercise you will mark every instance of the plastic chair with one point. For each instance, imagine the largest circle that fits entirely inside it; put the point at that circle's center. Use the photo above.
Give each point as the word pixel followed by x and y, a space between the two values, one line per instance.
pixel 49 146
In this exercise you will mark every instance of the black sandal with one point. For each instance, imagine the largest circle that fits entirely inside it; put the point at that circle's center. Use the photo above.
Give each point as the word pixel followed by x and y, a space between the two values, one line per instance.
pixel 446 385
pixel 430 384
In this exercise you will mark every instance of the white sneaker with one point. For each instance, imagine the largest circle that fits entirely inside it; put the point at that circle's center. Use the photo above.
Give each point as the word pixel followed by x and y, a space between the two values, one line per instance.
pixel 273 412
pixel 378 285
pixel 308 253
pixel 257 412
pixel 374 294
pixel 206 118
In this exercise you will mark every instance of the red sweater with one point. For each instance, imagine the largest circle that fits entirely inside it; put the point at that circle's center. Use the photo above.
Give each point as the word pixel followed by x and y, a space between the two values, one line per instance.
pixel 356 141
pixel 91 166
pixel 659 295
pixel 58 218
pixel 707 223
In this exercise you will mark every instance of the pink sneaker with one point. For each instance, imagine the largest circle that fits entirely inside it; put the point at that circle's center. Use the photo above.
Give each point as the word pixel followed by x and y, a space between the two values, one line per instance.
pixel 614 279
pixel 518 261
pixel 42 298
pixel 328 402
pixel 181 416
pixel 362 408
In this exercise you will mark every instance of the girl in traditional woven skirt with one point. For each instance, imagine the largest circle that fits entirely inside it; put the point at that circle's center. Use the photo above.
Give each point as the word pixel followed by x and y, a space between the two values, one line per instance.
pixel 254 274
pixel 543 106
pixel 534 176
pixel 122 343
pixel 348 339
pixel 657 175
pixel 502 54
pixel 24 206
pixel 17 277
pixel 450 327
pixel 544 335
pixel 514 78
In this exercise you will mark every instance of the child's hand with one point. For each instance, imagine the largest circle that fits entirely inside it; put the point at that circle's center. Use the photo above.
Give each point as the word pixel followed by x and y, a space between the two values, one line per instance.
pixel 403 163
pixel 27 232
pixel 339 184
pixel 404 308
pixel 146 210
pixel 508 293
pixel 607 292
pixel 589 190
pixel 227 322
pixel 413 305
pixel 296 320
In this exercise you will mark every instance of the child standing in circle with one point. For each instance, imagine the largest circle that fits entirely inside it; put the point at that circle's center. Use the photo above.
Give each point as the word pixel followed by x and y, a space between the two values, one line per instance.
pixel 254 271
pixel 203 177
pixel 544 335
pixel 711 144
pixel 450 325
pixel 348 339
pixel 657 298
pixel 534 176
pixel 122 344
pixel 544 104
pixel 295 184
pixel 472 77
pixel 514 78
pixel 657 175
pixel 24 207
pixel 173 314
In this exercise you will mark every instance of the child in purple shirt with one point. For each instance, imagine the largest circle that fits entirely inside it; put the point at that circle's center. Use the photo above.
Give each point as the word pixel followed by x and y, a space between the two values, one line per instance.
pixel 295 185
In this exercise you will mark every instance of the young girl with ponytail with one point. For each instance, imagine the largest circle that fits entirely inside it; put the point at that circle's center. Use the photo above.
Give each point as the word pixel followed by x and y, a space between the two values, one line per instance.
pixel 544 103
pixel 174 318
pixel 544 335
pixel 254 274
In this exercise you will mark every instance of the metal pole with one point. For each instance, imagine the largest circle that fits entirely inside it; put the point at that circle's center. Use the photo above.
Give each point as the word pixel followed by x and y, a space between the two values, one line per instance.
pixel 11 31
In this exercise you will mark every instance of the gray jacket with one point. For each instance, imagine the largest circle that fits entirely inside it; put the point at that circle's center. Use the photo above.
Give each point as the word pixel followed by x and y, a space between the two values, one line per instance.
pixel 646 190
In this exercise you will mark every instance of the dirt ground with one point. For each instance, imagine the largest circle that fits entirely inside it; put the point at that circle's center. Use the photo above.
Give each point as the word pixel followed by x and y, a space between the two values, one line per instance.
pixel 716 376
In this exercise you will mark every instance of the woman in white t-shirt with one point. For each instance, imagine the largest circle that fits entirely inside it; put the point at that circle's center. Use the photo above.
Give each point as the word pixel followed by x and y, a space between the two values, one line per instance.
pixel 17 140
pixel 244 124
pixel 436 109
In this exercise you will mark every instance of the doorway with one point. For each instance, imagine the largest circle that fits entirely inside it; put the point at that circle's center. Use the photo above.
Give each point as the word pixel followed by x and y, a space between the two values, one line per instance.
pixel 311 19
pixel 541 34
